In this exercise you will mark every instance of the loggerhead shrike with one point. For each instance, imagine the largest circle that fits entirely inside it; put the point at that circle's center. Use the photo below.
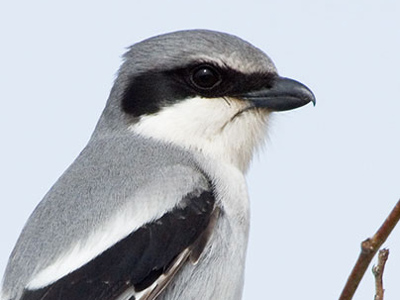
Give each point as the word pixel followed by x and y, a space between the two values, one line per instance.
pixel 156 205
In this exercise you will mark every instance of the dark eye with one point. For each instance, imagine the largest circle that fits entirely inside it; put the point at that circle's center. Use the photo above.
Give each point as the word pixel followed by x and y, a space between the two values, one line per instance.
pixel 205 77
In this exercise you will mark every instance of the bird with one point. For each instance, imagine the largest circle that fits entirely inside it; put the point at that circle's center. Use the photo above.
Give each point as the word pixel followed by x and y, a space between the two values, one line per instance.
pixel 156 204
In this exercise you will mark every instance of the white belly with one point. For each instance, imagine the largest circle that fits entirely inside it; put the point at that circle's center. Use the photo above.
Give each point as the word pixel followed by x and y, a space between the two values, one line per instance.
pixel 219 274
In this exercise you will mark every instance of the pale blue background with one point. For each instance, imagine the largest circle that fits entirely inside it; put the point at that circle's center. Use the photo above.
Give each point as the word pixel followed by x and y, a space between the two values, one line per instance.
pixel 328 176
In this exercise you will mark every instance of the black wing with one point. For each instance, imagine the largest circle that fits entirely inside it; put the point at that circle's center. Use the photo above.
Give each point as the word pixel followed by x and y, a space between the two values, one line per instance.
pixel 143 263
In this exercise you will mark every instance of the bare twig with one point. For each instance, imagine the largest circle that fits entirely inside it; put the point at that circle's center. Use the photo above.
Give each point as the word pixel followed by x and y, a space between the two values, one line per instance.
pixel 368 249
pixel 378 273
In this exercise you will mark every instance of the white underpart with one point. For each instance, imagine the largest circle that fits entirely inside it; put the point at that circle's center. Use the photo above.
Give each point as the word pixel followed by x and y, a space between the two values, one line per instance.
pixel 214 127
pixel 220 271
pixel 209 126
pixel 130 218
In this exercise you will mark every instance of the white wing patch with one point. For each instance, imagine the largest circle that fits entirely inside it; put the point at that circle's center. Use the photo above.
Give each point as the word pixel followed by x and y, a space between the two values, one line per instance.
pixel 216 127
pixel 131 217
pixel 162 282
pixel 84 251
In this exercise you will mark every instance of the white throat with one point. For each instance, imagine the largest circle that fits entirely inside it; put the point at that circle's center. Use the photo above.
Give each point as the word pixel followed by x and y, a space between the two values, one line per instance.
pixel 210 126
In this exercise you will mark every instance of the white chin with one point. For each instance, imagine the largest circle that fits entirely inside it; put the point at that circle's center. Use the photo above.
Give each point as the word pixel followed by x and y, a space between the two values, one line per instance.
pixel 221 128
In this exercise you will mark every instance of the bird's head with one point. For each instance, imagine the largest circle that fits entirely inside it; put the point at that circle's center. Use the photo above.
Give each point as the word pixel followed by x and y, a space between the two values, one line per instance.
pixel 202 90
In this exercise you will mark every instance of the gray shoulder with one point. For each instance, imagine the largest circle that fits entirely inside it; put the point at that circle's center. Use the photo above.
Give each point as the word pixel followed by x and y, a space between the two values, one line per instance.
pixel 112 182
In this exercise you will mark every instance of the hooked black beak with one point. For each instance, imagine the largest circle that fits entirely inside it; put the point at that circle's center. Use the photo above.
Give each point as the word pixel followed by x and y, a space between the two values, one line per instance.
pixel 283 94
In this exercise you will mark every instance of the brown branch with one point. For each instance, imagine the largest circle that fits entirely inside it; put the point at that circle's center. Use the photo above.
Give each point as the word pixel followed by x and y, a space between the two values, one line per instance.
pixel 368 249
pixel 378 273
